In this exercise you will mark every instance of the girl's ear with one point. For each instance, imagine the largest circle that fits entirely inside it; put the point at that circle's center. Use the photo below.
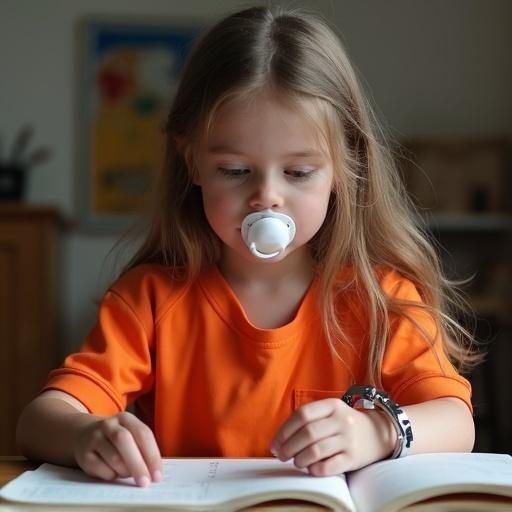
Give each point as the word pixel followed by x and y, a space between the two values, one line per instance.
pixel 184 148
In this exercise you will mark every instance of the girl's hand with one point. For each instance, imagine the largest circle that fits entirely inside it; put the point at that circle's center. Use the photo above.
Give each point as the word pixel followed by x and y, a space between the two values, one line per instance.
pixel 119 446
pixel 328 437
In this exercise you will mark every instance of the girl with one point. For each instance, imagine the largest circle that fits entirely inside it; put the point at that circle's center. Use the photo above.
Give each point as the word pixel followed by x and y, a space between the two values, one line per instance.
pixel 281 267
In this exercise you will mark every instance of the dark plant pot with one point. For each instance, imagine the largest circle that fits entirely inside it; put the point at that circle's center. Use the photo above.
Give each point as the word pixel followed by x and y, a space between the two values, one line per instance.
pixel 12 182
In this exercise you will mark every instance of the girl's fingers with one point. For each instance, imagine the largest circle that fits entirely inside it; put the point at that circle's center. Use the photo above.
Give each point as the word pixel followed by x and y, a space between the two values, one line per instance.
pixel 339 463
pixel 306 414
pixel 319 451
pixel 146 442
pixel 124 442
pixel 309 435
pixel 94 465
pixel 126 447
pixel 108 452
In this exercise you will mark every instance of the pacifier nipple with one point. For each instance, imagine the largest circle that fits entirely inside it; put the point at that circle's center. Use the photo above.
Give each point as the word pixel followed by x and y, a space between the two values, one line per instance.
pixel 267 233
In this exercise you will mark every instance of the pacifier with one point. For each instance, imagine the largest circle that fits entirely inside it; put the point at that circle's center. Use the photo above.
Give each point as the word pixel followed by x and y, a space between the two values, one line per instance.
pixel 267 233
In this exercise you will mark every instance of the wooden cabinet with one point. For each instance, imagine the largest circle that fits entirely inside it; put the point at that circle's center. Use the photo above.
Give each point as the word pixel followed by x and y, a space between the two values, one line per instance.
pixel 29 293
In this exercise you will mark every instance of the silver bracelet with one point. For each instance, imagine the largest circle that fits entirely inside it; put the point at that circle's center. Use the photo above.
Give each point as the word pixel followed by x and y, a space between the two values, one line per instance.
pixel 368 397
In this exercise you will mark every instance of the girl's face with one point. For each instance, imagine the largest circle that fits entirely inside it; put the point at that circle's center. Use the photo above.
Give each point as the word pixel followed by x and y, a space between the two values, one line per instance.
pixel 263 155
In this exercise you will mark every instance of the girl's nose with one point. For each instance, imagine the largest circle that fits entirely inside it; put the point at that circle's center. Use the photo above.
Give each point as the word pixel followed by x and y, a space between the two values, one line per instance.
pixel 266 194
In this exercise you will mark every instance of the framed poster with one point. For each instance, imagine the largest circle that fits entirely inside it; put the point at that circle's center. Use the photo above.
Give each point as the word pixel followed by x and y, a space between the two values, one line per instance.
pixel 128 71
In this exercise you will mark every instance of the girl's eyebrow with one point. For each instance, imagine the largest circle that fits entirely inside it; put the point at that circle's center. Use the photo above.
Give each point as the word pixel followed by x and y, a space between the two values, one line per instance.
pixel 308 152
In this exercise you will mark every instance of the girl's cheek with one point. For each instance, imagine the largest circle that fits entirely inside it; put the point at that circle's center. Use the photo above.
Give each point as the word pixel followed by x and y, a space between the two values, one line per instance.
pixel 219 211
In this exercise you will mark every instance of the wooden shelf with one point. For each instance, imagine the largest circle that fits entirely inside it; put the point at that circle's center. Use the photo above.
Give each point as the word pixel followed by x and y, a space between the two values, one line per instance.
pixel 467 222
pixel 19 211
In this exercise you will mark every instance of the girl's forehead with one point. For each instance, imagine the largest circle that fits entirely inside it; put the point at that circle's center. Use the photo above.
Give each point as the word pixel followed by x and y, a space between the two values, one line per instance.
pixel 266 116
pixel 248 108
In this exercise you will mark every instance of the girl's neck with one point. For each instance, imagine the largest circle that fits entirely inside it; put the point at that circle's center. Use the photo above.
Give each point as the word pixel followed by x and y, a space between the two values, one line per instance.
pixel 296 267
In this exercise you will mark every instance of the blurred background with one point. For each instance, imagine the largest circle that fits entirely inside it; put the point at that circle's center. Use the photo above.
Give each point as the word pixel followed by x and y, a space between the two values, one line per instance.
pixel 83 85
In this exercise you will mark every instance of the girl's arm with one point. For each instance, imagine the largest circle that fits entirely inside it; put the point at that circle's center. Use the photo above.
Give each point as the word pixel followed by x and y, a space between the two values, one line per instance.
pixel 329 437
pixel 47 428
pixel 57 428
pixel 442 425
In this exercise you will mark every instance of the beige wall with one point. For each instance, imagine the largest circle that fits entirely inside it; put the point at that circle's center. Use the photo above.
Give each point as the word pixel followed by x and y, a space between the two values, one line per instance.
pixel 433 67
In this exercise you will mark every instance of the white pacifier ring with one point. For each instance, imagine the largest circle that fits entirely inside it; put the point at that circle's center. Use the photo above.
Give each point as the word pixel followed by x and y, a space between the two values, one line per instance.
pixel 267 233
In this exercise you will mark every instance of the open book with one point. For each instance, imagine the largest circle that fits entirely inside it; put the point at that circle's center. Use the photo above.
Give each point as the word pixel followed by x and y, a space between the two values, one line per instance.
pixel 429 482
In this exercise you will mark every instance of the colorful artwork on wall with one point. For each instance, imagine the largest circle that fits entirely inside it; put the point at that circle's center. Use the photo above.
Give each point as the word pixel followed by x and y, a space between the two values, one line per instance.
pixel 129 71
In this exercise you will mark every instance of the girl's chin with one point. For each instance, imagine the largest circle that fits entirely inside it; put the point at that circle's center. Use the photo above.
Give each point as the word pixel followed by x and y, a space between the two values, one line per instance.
pixel 246 254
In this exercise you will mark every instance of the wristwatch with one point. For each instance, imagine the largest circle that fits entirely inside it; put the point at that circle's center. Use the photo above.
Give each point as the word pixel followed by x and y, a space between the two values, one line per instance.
pixel 368 397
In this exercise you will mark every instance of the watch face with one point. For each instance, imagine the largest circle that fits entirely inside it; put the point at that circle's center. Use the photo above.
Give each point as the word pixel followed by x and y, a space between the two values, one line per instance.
pixel 363 403
pixel 358 392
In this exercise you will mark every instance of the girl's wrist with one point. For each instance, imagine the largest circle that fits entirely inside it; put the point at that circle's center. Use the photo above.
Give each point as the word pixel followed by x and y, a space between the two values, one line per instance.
pixel 380 436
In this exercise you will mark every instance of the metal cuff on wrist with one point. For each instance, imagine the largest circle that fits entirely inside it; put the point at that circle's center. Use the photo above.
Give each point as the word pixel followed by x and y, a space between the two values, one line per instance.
pixel 368 397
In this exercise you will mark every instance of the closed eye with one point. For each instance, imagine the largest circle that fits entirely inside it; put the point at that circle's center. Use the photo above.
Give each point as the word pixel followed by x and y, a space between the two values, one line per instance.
pixel 300 173
pixel 238 172
pixel 233 172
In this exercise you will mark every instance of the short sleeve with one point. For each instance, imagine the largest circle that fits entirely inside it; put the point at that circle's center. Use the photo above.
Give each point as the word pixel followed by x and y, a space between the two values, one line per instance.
pixel 413 369
pixel 114 365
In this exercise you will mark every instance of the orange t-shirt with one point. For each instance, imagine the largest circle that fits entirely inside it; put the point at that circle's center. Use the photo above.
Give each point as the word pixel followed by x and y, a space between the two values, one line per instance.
pixel 209 383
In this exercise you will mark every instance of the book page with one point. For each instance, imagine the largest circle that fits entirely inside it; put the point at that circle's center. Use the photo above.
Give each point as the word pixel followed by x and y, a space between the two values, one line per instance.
pixel 391 485
pixel 187 483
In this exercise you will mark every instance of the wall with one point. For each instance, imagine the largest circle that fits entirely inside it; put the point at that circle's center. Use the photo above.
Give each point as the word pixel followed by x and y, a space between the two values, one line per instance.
pixel 433 68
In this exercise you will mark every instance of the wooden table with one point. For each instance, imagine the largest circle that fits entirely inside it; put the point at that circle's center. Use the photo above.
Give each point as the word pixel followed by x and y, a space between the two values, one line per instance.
pixel 11 467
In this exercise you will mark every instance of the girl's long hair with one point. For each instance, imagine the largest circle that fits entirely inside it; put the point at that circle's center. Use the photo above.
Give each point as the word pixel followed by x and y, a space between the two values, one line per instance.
pixel 370 223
